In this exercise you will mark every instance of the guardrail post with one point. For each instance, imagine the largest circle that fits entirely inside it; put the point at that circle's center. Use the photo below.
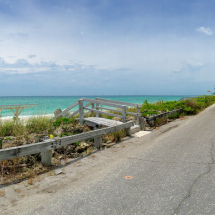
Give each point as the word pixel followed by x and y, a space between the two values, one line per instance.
pixel 128 131
pixel 142 123
pixel 138 116
pixel 151 122
pixel 92 111
pixel 46 157
pixel 97 108
pixel 124 113
pixel 97 141
pixel 81 111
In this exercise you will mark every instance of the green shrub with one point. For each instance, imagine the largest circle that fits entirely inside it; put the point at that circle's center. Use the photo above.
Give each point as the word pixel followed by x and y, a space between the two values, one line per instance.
pixel 173 116
pixel 190 106
pixel 148 113
pixel 77 143
pixel 63 121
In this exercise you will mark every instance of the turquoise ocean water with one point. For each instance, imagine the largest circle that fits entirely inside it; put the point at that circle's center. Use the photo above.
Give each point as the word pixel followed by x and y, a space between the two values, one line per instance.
pixel 47 104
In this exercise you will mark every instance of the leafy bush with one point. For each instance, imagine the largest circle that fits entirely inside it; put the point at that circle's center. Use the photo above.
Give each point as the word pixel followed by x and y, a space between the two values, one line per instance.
pixel 173 116
pixel 190 106
pixel 63 121
pixel 147 113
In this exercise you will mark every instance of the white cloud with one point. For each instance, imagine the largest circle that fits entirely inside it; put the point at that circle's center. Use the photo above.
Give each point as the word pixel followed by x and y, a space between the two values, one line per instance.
pixel 32 56
pixel 207 31
pixel 68 43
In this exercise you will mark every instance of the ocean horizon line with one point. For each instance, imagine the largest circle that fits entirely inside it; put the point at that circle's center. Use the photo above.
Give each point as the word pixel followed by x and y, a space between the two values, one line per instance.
pixel 99 95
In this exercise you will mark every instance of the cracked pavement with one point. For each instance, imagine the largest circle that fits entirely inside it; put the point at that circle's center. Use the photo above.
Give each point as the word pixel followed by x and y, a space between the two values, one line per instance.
pixel 172 171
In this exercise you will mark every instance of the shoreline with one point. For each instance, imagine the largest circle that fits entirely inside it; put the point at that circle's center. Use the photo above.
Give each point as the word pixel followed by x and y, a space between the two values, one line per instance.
pixel 25 118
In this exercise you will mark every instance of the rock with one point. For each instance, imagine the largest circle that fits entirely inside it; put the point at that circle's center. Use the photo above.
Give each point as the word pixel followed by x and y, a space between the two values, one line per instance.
pixel 73 155
pixel 20 141
pixel 10 138
pixel 16 143
pixel 131 118
pixel 86 128
pixel 69 128
pixel 70 149
pixel 38 157
pixel 58 131
pixel 79 128
pixel 9 141
pixel 55 161
pixel 117 119
pixel 1 139
pixel 60 150
pixel 79 149
pixel 58 171
pixel 57 111
pixel 33 138
pixel 84 145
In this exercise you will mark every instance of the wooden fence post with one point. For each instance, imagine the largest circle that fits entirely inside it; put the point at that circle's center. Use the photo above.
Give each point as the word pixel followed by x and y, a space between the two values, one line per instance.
pixel 17 115
pixel 142 123
pixel 97 108
pixel 92 111
pixel 124 113
pixel 81 111
pixel 46 157
pixel 138 116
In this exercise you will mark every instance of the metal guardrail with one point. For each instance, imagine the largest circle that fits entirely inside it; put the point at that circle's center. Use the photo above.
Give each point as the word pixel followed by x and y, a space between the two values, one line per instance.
pixel 47 146
pixel 163 114
pixel 151 119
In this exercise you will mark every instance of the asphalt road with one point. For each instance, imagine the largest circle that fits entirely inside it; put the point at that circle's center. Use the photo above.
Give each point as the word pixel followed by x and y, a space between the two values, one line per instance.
pixel 173 173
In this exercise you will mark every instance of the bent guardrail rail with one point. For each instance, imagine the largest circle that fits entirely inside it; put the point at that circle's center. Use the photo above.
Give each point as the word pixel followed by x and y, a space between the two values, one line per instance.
pixel 152 118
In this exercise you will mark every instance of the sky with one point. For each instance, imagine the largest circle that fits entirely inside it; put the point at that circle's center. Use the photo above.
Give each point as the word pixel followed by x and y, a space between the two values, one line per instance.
pixel 106 47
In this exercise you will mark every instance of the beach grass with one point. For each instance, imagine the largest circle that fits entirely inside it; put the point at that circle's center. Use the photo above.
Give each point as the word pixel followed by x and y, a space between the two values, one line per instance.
pixel 24 127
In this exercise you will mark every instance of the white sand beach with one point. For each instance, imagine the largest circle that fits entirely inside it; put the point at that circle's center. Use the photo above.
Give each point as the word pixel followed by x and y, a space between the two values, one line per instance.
pixel 24 118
